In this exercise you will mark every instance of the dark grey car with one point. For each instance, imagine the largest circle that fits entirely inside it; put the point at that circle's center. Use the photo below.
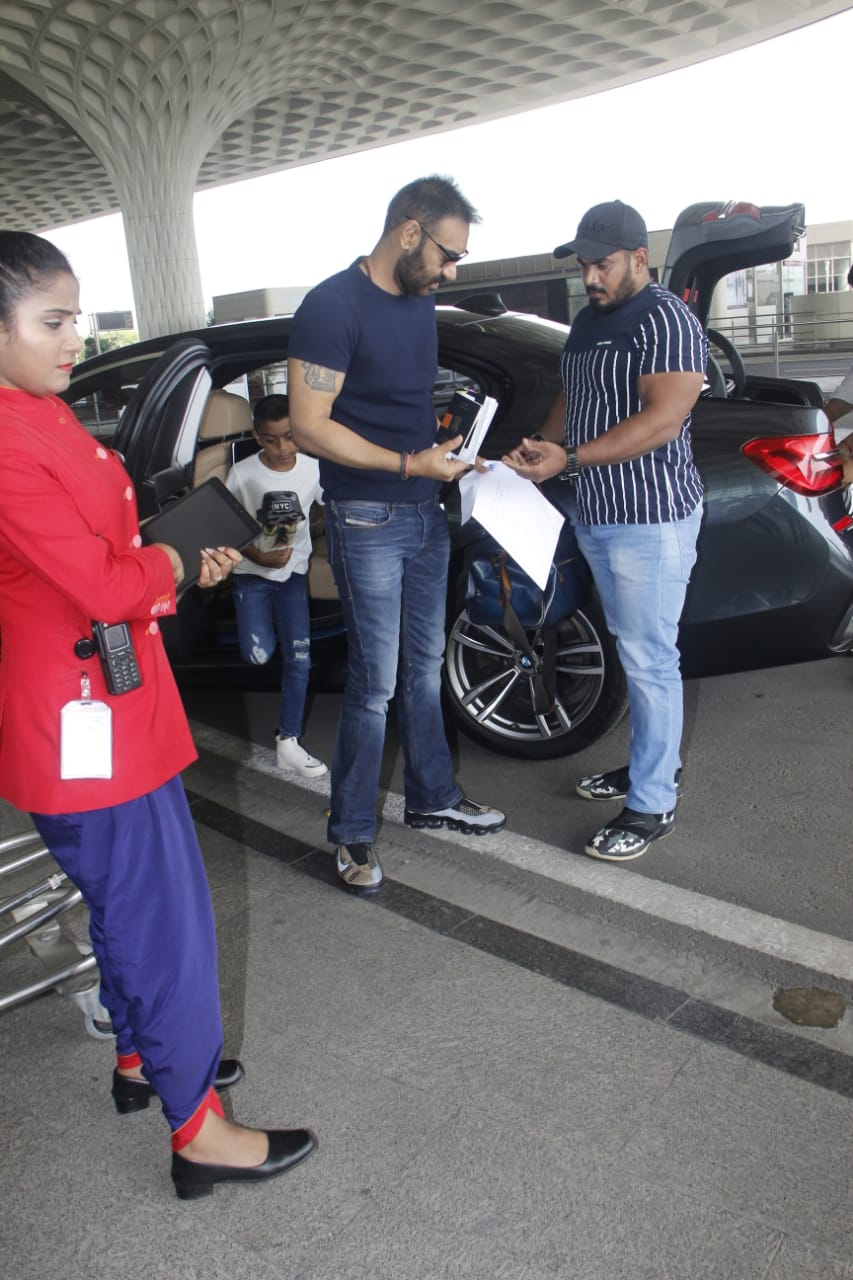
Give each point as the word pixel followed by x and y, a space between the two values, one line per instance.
pixel 773 581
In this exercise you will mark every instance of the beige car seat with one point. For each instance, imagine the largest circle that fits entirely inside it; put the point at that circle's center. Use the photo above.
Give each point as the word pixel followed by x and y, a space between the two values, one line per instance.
pixel 227 417
pixel 321 583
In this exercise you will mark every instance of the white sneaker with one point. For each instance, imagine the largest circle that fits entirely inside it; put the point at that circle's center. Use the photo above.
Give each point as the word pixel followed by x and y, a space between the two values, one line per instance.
pixel 466 815
pixel 289 755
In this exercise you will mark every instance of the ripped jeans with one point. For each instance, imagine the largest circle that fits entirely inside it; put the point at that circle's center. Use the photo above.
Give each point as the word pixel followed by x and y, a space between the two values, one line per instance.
pixel 270 613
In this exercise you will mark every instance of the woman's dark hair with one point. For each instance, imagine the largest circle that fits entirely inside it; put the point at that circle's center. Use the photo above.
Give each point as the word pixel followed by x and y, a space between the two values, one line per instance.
pixel 428 200
pixel 26 262
pixel 270 409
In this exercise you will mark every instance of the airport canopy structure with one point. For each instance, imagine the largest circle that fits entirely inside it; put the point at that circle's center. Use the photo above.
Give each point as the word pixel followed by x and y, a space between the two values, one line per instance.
pixel 136 105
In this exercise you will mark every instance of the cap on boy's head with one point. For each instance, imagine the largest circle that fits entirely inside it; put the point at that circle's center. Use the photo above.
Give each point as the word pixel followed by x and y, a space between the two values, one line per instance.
pixel 605 228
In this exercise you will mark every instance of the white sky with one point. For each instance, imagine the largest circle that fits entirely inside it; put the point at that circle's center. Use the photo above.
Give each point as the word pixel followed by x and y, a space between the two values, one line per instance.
pixel 769 124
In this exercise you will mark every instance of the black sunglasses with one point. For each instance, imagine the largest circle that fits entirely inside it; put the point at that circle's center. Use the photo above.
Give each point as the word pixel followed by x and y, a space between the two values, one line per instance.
pixel 448 255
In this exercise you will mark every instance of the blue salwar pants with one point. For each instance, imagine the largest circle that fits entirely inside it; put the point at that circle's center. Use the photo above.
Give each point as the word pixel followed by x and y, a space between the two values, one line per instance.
pixel 139 868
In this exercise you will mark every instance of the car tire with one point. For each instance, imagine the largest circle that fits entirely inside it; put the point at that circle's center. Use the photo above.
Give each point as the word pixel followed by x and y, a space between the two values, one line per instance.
pixel 489 688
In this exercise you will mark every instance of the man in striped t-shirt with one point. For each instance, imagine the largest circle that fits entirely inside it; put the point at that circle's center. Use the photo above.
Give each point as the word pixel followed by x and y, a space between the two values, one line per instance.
pixel 632 368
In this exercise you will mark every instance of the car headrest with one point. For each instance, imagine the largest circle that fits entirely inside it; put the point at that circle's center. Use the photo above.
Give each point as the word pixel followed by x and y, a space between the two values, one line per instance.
pixel 225 414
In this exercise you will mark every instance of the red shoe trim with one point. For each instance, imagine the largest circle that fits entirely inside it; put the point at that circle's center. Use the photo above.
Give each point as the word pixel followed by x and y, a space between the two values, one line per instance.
pixel 127 1061
pixel 183 1136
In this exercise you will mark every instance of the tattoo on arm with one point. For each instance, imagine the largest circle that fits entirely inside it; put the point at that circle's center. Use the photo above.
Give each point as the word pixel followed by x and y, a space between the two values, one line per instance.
pixel 318 378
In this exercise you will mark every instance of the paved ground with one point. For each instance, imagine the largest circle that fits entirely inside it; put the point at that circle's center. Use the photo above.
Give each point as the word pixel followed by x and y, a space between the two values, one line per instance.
pixel 509 1079
pixel 766 822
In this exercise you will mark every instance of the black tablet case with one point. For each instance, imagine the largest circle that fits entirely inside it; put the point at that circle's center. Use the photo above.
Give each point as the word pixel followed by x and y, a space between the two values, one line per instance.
pixel 209 516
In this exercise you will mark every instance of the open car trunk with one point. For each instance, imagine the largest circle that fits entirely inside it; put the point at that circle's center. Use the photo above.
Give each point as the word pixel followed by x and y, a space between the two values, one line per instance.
pixel 709 241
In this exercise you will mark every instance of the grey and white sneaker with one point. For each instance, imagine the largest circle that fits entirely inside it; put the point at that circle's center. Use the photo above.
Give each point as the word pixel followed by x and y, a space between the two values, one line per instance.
pixel 293 757
pixel 358 869
pixel 629 835
pixel 613 785
pixel 466 815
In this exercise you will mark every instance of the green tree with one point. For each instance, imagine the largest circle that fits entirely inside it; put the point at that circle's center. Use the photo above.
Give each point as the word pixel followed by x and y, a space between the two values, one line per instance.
pixel 108 341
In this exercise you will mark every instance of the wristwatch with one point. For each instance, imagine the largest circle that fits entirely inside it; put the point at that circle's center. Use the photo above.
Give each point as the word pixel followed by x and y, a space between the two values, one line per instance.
pixel 571 471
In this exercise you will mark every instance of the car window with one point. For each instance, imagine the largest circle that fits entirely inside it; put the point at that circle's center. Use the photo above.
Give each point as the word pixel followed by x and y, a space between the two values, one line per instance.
pixel 99 411
pixel 101 396
pixel 269 380
pixel 272 380
pixel 448 382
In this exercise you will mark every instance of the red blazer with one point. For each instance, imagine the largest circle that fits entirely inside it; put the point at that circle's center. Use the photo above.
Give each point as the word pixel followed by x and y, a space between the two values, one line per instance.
pixel 70 553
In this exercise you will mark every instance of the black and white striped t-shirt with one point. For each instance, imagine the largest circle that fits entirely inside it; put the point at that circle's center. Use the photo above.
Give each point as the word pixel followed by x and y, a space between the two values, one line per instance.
pixel 604 356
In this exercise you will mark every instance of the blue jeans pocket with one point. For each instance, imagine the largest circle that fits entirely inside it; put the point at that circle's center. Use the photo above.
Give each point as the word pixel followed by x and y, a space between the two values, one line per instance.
pixel 363 515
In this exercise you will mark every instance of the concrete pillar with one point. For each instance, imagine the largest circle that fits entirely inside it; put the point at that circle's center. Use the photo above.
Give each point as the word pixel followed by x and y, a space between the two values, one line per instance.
pixel 161 250
pixel 164 269
pixel 149 88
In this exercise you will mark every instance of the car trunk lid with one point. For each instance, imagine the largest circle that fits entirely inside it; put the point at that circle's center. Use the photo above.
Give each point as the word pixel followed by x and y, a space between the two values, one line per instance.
pixel 710 240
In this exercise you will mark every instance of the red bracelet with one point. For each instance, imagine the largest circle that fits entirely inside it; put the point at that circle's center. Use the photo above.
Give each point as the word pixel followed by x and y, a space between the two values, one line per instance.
pixel 404 464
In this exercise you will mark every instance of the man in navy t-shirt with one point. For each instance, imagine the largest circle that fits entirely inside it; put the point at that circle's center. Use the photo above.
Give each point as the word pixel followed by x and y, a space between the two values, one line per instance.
pixel 362 361
pixel 632 368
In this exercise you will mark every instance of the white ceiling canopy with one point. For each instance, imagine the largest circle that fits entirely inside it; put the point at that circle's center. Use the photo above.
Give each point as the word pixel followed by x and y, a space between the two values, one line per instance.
pixel 264 85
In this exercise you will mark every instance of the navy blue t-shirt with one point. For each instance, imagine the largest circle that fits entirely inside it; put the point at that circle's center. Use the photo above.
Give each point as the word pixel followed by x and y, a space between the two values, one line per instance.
pixel 386 345
pixel 604 356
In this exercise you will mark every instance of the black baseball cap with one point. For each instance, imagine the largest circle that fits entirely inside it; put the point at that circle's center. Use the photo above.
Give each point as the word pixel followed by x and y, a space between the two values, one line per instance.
pixel 605 228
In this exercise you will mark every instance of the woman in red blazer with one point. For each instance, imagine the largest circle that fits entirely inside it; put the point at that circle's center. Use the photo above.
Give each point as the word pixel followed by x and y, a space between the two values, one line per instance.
pixel 99 772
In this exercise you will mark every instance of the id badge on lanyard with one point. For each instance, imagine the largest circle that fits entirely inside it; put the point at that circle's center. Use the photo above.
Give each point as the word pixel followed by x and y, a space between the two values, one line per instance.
pixel 85 737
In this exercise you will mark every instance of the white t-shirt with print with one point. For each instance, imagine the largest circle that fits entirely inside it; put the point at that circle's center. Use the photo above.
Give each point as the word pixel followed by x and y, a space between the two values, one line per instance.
pixel 249 480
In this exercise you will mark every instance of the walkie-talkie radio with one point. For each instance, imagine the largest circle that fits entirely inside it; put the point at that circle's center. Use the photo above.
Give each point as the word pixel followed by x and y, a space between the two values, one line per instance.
pixel 118 657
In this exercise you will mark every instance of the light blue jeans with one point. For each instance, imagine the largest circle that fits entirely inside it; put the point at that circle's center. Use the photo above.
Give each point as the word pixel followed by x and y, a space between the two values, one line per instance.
pixel 641 574
pixel 390 561
pixel 271 613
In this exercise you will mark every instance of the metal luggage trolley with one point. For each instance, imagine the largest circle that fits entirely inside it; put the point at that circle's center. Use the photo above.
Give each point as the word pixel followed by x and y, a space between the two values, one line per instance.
pixel 37 911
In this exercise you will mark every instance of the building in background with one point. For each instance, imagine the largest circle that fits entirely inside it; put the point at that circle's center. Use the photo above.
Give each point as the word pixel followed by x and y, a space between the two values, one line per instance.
pixel 803 300
pixel 255 304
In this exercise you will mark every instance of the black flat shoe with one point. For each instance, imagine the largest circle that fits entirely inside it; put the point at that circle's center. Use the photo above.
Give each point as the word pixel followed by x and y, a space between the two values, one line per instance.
pixel 287 1148
pixel 134 1095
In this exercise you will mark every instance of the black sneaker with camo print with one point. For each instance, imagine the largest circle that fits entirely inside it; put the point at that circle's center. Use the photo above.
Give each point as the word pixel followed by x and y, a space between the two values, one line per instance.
pixel 629 835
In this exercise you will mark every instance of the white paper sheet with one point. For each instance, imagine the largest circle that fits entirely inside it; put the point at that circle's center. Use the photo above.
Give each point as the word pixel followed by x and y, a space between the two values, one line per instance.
pixel 467 486
pixel 514 512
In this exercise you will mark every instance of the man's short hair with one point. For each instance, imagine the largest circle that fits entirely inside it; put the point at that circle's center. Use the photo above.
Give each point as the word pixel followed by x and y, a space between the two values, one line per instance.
pixel 850 277
pixel 428 200
pixel 270 409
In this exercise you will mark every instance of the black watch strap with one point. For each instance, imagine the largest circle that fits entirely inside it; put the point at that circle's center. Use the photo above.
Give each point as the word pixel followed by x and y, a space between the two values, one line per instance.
pixel 572 467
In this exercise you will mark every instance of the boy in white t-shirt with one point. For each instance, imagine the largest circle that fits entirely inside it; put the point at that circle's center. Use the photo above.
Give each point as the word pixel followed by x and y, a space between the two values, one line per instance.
pixel 277 486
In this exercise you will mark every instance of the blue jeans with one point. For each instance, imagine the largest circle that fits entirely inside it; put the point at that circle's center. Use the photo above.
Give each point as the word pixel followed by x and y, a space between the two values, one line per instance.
pixel 270 613
pixel 641 574
pixel 390 566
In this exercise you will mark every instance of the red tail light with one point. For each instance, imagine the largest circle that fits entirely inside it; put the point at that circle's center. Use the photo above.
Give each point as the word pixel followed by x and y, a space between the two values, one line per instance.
pixel 807 464
pixel 730 209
